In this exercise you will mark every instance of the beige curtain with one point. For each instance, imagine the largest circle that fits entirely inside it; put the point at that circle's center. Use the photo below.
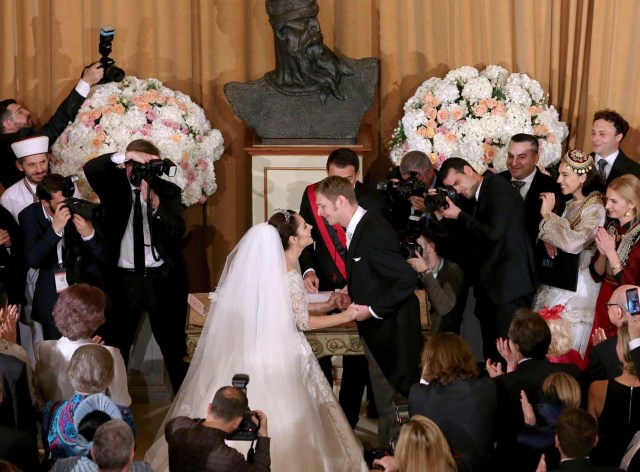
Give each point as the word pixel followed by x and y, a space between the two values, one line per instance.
pixel 583 52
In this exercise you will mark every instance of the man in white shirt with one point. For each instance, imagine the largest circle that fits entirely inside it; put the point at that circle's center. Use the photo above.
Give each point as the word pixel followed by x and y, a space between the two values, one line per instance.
pixel 608 130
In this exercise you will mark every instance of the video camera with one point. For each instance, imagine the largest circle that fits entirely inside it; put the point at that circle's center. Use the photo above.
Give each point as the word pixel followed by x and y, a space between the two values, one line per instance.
pixel 400 192
pixel 151 169
pixel 438 200
pixel 87 210
pixel 111 72
pixel 248 429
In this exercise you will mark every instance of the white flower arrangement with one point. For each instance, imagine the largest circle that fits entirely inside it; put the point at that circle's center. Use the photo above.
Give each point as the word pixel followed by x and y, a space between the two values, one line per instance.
pixel 117 113
pixel 472 114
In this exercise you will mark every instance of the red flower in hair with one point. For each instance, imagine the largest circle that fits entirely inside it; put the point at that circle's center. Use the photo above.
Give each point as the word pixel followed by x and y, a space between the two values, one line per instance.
pixel 551 313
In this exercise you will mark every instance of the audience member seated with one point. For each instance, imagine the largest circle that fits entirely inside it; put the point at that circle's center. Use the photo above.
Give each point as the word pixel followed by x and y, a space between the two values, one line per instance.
pixel 111 449
pixel 561 348
pixel 443 281
pixel 78 313
pixel 90 372
pixel 9 341
pixel 603 361
pixel 199 444
pixel 17 445
pixel 527 367
pixel 616 405
pixel 576 434
pixel 559 391
pixel 421 447
pixel 451 395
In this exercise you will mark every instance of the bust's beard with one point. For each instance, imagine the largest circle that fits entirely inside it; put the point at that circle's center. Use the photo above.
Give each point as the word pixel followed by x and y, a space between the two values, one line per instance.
pixel 307 65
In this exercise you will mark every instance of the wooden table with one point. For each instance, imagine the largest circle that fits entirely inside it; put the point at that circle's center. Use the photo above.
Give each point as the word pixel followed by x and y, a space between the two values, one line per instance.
pixel 337 341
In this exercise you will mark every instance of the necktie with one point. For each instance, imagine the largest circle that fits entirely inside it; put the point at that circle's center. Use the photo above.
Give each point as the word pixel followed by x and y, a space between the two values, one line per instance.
pixel 602 165
pixel 138 235
pixel 349 235
pixel 517 184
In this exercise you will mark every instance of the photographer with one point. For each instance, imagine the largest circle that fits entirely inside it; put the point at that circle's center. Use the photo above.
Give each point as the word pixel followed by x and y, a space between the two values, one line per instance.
pixel 16 122
pixel 406 189
pixel 144 226
pixel 443 281
pixel 65 247
pixel 199 445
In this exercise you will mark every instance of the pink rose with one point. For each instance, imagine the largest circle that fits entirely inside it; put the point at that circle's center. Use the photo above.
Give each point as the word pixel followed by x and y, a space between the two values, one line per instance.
pixel 480 110
pixel 432 113
pixel 202 165
pixel 443 115
pixel 152 115
pixel 202 200
pixel 191 177
pixel 456 113
pixel 184 165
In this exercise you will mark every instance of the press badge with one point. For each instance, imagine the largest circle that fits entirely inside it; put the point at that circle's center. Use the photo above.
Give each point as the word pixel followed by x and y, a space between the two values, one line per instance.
pixel 60 276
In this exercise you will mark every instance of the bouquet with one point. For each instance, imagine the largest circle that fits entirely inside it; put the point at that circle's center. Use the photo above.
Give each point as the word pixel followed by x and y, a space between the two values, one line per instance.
pixel 118 113
pixel 473 115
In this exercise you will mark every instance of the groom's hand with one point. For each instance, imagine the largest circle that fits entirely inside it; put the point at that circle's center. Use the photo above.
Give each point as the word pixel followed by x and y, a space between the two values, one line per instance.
pixel 363 312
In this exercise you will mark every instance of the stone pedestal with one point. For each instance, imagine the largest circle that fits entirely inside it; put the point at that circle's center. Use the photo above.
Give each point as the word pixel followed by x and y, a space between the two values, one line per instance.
pixel 280 173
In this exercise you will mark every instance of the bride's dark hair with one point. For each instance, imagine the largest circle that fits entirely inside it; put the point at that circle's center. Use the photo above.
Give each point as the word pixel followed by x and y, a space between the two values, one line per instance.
pixel 286 224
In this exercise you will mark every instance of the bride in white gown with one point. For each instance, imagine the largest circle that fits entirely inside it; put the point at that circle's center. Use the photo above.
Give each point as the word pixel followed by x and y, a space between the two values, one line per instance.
pixel 255 327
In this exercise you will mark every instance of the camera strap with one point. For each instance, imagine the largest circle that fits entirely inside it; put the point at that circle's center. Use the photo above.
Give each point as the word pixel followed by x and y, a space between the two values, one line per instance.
pixel 324 228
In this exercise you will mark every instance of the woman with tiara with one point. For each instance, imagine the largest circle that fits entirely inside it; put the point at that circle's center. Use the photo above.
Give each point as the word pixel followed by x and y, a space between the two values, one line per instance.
pixel 256 327
pixel 573 232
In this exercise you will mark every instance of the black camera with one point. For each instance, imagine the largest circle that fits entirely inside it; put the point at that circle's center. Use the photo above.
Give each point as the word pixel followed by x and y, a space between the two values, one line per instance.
pixel 438 200
pixel 248 429
pixel 401 191
pixel 112 73
pixel 89 211
pixel 150 170
pixel 410 249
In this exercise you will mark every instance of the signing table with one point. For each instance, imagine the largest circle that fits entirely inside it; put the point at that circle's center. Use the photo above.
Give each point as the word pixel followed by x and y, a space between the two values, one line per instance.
pixel 338 341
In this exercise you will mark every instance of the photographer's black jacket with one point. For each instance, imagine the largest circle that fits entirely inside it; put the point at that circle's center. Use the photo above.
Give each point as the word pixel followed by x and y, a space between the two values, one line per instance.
pixel 66 112
pixel 112 186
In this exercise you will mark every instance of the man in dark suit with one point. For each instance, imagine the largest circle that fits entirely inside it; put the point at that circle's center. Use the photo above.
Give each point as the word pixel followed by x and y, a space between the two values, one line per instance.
pixel 502 255
pixel 381 284
pixel 16 122
pixel 529 338
pixel 65 248
pixel 144 226
pixel 323 267
pixel 524 175
pixel 199 445
pixel 607 131
pixel 576 435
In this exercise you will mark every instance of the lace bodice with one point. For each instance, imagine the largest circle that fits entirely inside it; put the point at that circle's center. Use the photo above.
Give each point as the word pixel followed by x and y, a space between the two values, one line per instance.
pixel 299 299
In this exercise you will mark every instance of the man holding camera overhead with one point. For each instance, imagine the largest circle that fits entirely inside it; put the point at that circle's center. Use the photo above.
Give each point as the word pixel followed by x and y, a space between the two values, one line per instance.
pixel 16 122
pixel 144 226
pixel 63 245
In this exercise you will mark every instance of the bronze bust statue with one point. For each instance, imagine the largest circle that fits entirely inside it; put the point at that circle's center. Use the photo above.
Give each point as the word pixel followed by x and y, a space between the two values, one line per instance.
pixel 313 94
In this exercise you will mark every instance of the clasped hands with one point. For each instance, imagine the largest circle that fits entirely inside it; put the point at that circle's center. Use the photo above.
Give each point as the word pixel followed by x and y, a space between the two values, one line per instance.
pixel 342 301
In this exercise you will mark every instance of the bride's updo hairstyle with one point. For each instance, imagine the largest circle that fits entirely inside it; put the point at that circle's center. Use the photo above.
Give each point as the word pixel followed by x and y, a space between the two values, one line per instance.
pixel 286 224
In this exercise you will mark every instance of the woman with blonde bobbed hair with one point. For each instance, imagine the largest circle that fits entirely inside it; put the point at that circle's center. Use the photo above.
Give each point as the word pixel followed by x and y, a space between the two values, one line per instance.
pixel 559 391
pixel 421 447
pixel 90 372
pixel 450 394
pixel 617 260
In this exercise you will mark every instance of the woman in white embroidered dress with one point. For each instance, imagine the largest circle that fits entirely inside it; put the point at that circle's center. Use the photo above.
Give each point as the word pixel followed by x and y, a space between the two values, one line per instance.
pixel 574 232
pixel 255 327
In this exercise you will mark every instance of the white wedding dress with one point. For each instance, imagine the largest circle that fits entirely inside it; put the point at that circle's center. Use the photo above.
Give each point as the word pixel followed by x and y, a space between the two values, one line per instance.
pixel 255 328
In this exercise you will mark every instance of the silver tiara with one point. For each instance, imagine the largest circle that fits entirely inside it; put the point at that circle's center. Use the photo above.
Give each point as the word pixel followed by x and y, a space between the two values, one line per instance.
pixel 285 213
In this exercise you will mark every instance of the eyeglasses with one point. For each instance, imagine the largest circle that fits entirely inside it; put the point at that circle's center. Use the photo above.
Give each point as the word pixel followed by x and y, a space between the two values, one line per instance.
pixel 609 305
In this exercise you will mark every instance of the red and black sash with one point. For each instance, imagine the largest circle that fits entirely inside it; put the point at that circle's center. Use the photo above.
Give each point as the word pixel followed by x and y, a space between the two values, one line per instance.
pixel 323 228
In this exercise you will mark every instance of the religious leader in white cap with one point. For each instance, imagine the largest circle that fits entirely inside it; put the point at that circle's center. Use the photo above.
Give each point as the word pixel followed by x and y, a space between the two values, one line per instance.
pixel 32 160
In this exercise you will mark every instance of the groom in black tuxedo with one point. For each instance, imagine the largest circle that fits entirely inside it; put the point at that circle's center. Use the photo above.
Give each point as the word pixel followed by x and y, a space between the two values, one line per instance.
pixel 381 284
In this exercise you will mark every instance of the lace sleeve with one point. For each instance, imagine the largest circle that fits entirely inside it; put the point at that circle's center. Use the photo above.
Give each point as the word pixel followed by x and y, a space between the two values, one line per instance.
pixel 556 230
pixel 299 300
